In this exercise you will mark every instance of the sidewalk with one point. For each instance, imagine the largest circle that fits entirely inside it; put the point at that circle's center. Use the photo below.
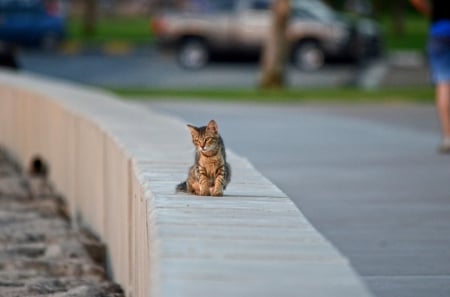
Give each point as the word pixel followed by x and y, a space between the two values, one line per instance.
pixel 40 255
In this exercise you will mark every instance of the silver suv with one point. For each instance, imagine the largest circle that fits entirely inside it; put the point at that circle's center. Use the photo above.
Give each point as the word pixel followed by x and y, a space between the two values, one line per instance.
pixel 315 32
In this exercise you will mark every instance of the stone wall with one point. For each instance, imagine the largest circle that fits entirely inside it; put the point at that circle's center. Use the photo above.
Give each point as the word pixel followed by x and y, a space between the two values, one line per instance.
pixel 117 166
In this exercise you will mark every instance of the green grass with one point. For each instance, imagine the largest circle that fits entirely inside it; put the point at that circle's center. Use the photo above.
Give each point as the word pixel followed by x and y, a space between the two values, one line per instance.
pixel 134 30
pixel 333 95
pixel 414 37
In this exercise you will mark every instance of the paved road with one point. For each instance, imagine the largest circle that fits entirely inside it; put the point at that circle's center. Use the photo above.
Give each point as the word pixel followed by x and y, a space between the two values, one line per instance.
pixel 368 177
pixel 148 68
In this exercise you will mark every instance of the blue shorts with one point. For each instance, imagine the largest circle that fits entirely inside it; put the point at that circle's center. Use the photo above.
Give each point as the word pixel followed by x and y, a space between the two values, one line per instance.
pixel 439 58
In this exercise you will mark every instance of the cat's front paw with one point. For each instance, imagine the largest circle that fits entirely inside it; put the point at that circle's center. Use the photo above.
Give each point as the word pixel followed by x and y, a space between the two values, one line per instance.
pixel 204 192
pixel 217 192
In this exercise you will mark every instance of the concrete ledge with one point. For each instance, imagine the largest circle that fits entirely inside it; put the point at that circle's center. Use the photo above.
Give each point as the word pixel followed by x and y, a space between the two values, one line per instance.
pixel 118 165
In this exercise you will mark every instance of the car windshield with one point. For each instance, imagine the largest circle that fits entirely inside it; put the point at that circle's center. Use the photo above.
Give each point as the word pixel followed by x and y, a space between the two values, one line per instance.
pixel 315 9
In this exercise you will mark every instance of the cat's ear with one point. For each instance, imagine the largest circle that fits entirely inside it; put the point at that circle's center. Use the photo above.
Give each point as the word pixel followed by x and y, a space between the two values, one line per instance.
pixel 193 129
pixel 212 126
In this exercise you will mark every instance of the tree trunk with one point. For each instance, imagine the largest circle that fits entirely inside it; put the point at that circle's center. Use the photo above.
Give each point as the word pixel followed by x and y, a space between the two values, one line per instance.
pixel 378 8
pixel 275 50
pixel 398 17
pixel 90 17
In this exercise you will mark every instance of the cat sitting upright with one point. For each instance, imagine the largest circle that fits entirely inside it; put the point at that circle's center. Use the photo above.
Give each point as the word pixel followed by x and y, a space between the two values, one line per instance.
pixel 210 173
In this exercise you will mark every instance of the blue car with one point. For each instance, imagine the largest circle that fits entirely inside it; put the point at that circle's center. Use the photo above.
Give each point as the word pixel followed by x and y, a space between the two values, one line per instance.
pixel 31 23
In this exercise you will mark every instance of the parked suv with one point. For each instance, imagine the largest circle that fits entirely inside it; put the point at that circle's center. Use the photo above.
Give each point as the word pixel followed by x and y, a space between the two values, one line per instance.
pixel 315 32
pixel 31 23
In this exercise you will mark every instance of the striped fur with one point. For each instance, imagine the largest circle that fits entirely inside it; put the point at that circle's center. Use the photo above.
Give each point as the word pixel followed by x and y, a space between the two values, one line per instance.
pixel 210 174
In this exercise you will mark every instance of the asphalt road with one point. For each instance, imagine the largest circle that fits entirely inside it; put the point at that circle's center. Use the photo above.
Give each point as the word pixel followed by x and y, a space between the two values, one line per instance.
pixel 149 68
pixel 367 177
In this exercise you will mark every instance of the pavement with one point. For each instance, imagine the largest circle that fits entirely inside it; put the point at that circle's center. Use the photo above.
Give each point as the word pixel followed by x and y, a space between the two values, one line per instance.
pixel 120 65
pixel 40 254
pixel 368 177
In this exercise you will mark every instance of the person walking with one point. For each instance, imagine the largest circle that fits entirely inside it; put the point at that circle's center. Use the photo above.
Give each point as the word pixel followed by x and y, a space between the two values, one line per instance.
pixel 439 59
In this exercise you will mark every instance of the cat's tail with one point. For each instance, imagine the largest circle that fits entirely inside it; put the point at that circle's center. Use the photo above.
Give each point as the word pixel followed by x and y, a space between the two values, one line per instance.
pixel 181 187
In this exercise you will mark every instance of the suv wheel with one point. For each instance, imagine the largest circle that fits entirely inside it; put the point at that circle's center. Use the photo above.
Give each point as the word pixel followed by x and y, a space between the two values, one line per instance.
pixel 308 55
pixel 193 54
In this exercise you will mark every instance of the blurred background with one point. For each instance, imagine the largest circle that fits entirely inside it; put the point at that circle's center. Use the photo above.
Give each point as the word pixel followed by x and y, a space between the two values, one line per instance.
pixel 208 47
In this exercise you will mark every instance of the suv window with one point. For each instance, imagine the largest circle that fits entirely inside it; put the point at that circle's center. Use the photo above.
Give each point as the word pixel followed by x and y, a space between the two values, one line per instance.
pixel 19 4
pixel 303 14
pixel 316 9
pixel 22 8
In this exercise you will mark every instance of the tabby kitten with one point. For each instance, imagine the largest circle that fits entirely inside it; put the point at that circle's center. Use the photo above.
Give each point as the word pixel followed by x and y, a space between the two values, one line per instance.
pixel 210 173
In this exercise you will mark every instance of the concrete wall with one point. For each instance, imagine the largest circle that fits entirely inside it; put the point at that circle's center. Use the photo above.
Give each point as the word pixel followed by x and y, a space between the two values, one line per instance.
pixel 117 166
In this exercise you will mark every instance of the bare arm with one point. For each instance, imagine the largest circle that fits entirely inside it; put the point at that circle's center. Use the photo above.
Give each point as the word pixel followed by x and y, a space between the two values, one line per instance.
pixel 423 6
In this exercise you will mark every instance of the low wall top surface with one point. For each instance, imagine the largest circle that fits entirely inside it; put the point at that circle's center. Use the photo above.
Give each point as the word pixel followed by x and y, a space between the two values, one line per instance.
pixel 251 242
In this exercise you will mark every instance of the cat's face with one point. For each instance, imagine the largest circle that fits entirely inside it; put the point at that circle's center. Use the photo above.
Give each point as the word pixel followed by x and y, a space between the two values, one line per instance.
pixel 205 139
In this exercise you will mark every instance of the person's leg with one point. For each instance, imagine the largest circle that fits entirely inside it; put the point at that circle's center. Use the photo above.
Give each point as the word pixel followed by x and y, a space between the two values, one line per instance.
pixel 443 108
